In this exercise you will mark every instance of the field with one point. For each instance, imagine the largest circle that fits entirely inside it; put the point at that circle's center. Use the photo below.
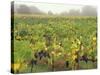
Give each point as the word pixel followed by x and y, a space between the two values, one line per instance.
pixel 53 43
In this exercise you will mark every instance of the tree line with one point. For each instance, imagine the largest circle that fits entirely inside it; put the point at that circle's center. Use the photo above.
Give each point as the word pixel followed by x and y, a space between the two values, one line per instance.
pixel 24 9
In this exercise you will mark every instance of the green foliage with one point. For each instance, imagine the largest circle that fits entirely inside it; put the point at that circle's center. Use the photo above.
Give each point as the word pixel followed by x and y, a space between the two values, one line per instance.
pixel 50 31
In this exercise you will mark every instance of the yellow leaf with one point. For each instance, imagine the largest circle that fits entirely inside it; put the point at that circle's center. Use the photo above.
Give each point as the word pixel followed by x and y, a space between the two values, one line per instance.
pixel 74 57
pixel 94 39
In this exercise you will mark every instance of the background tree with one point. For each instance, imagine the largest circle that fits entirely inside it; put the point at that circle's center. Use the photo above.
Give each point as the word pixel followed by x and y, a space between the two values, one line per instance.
pixel 23 9
pixel 89 11
pixel 35 10
pixel 50 13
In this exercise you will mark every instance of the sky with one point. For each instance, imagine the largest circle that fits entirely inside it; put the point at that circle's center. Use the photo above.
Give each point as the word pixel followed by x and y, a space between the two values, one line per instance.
pixel 55 8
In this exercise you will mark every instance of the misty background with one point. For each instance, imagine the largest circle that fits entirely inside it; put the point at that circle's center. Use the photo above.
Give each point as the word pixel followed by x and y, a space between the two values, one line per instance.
pixel 53 9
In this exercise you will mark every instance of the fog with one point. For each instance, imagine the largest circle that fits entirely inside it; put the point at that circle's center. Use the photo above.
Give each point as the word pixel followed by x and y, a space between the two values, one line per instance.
pixel 54 9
